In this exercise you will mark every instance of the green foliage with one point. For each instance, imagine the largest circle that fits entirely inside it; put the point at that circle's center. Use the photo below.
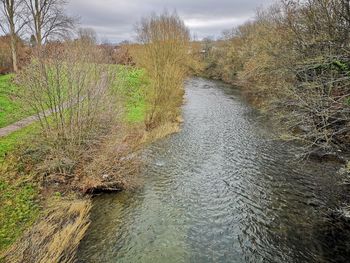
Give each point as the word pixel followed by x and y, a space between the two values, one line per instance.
pixel 341 66
pixel 18 210
pixel 11 109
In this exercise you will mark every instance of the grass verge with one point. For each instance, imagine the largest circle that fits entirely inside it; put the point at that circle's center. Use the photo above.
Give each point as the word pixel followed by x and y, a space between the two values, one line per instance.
pixel 16 139
pixel 19 194
pixel 131 83
pixel 11 109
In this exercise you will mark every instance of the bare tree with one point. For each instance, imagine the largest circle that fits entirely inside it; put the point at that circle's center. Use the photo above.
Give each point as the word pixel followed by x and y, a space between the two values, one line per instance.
pixel 12 23
pixel 87 35
pixel 67 86
pixel 48 19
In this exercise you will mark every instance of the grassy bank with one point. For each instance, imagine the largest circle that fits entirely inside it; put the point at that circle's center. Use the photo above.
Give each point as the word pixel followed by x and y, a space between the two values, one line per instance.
pixel 16 139
pixel 19 208
pixel 22 199
pixel 19 202
pixel 28 197
pixel 23 196
pixel 131 84
pixel 11 109
pixel 101 116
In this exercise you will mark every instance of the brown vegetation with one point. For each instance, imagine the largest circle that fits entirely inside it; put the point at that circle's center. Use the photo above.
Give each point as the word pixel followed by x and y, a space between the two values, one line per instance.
pixel 70 81
pixel 164 54
pixel 46 20
pixel 23 54
pixel 293 59
pixel 13 22
pixel 122 55
pixel 55 236
pixel 84 145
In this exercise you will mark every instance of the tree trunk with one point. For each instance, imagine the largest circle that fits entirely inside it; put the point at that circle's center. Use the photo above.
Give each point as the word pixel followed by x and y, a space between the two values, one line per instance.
pixel 38 24
pixel 14 53
pixel 38 38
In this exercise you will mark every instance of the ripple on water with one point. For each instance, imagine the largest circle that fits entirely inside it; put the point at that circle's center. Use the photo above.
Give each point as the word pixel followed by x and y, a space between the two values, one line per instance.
pixel 221 190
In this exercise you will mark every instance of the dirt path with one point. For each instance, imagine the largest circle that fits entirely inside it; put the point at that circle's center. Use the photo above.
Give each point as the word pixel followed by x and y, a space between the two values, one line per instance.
pixel 27 121
pixel 17 125
pixel 34 118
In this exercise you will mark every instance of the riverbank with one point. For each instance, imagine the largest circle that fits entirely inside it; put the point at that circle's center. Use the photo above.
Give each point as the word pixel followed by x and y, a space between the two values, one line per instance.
pixel 63 209
pixel 223 189
pixel 299 75
pixel 36 194
pixel 288 134
pixel 94 116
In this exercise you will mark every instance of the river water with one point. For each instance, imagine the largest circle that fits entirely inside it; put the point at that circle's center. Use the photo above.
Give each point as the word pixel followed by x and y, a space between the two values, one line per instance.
pixel 221 190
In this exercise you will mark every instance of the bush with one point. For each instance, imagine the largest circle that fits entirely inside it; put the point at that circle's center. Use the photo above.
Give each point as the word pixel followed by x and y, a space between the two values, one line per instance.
pixel 68 87
pixel 164 54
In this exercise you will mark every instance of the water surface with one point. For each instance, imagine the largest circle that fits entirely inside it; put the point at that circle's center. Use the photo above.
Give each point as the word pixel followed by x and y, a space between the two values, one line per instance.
pixel 221 190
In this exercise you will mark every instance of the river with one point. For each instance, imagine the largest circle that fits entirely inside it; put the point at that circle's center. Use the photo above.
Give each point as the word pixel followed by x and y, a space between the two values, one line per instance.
pixel 221 190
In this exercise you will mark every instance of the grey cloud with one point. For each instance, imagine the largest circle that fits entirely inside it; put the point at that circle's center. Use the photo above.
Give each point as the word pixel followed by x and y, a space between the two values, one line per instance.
pixel 115 19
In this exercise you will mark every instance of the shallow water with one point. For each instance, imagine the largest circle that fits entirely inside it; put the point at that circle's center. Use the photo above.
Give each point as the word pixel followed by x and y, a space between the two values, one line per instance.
pixel 221 190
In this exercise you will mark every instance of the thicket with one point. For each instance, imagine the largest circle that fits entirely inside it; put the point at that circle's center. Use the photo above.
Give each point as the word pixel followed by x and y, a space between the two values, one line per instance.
pixel 294 60
pixel 164 55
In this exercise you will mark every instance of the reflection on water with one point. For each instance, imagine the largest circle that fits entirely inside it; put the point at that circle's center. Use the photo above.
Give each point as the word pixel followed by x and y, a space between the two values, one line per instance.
pixel 221 190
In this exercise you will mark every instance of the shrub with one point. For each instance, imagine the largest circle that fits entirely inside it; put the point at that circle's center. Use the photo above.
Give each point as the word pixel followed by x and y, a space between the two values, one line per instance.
pixel 164 54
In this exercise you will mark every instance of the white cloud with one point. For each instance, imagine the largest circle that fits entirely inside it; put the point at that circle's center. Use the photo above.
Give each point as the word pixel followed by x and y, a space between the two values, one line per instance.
pixel 115 19
pixel 195 23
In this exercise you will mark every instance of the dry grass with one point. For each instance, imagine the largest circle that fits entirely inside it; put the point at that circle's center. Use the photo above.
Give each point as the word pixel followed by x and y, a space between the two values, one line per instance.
pixel 55 236
pixel 113 165
pixel 161 131
pixel 116 162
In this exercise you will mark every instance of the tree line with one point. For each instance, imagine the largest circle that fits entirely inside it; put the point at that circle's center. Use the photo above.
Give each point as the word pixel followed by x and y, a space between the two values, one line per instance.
pixel 293 60
pixel 42 19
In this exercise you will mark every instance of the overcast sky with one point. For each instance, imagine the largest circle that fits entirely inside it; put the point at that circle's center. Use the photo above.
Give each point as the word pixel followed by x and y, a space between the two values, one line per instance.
pixel 115 20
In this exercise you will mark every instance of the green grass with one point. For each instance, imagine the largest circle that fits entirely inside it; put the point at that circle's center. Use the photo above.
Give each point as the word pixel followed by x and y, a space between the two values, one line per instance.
pixel 18 205
pixel 19 209
pixel 18 198
pixel 10 107
pixel 131 82
pixel 15 139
